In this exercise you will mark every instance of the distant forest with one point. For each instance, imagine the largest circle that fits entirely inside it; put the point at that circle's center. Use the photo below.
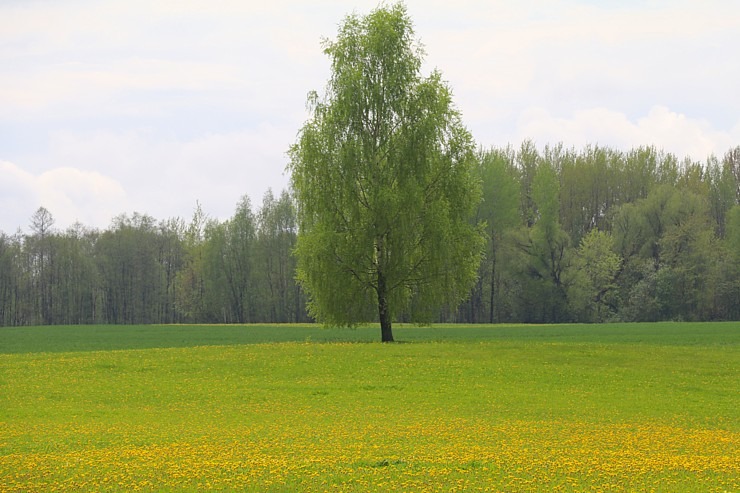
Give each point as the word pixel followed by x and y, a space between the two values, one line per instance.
pixel 585 235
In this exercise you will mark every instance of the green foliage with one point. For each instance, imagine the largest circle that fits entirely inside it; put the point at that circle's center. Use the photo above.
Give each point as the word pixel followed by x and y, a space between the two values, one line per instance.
pixel 190 280
pixel 546 252
pixel 527 162
pixel 499 209
pixel 383 177
pixel 278 227
pixel 731 171
pixel 546 197
pixel 593 291
pixel 10 279
pixel 688 247
pixel 134 276
pixel 499 206
pixel 228 267
pixel 733 231
pixel 725 287
pixel 141 270
pixel 672 231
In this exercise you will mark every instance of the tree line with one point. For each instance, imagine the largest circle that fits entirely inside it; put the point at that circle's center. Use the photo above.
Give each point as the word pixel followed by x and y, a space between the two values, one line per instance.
pixel 144 271
pixel 604 235
pixel 586 235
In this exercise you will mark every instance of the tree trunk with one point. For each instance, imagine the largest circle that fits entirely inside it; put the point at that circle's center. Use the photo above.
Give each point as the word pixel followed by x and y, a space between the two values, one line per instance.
pixel 386 332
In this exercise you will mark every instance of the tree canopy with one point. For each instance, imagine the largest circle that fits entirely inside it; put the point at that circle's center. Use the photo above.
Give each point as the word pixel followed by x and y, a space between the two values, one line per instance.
pixel 383 174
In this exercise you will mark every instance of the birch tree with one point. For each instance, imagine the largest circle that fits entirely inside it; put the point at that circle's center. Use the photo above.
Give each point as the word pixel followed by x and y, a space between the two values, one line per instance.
pixel 384 183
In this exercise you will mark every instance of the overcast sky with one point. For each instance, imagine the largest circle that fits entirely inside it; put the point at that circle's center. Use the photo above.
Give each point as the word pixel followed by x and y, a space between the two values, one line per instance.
pixel 109 107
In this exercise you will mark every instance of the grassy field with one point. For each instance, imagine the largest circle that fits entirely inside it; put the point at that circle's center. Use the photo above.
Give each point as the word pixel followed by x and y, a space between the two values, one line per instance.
pixel 623 407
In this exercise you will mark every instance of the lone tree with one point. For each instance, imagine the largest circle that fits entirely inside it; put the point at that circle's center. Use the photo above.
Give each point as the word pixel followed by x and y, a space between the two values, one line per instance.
pixel 383 174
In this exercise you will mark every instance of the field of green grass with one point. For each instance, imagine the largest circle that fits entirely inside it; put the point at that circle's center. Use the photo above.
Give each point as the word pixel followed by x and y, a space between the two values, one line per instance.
pixel 617 407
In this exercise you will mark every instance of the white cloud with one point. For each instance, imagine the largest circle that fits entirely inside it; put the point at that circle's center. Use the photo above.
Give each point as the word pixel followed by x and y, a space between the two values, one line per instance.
pixel 70 195
pixel 165 178
pixel 569 56
pixel 19 197
pixel 74 195
pixel 665 129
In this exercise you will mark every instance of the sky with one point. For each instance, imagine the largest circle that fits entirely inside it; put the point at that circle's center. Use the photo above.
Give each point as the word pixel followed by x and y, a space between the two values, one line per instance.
pixel 111 107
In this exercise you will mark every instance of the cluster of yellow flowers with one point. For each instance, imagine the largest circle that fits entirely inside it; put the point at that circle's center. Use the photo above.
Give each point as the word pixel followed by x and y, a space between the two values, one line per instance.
pixel 430 455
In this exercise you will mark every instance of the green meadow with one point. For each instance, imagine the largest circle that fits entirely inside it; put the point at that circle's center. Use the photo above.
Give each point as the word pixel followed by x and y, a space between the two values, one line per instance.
pixel 614 407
